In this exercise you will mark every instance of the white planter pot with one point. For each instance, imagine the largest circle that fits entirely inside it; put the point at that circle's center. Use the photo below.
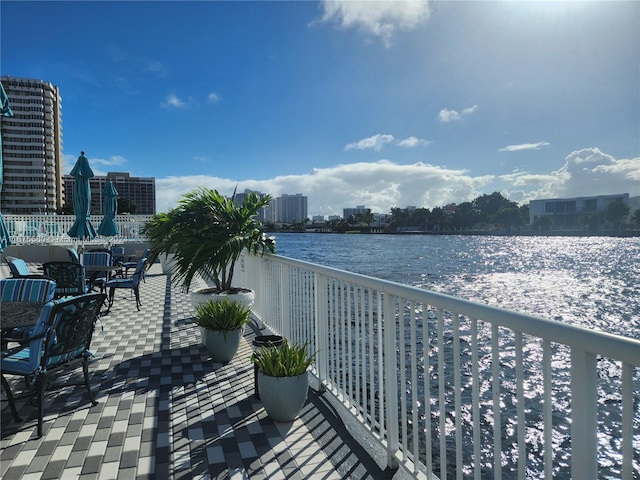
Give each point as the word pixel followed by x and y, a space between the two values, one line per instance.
pixel 166 262
pixel 200 296
pixel 283 397
pixel 222 346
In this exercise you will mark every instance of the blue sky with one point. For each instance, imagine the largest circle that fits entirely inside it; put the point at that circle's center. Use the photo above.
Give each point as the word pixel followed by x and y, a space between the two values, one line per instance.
pixel 382 104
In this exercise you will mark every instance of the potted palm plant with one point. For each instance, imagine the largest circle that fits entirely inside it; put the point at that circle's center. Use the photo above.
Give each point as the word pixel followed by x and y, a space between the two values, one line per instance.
pixel 221 324
pixel 283 379
pixel 205 234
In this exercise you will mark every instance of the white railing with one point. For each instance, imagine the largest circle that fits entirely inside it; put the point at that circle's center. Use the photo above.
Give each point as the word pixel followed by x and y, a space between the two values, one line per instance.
pixel 52 229
pixel 454 388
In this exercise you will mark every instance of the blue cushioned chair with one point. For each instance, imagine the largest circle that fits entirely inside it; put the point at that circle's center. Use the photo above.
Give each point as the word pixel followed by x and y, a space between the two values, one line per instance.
pixel 18 267
pixel 97 257
pixel 69 277
pixel 60 339
pixel 132 283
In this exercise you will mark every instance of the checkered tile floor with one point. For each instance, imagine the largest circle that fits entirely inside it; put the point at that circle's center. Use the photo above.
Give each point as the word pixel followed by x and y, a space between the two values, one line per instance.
pixel 167 411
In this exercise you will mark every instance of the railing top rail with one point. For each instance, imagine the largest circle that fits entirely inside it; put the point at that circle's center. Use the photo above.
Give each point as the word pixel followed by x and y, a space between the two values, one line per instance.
pixel 618 347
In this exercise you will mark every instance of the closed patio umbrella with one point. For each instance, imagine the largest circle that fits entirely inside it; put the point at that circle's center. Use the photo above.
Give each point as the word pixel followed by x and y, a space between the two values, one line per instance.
pixel 82 228
pixel 108 226
pixel 5 111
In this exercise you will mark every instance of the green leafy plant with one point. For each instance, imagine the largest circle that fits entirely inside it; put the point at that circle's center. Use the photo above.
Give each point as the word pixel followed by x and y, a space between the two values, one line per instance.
pixel 206 233
pixel 223 315
pixel 287 360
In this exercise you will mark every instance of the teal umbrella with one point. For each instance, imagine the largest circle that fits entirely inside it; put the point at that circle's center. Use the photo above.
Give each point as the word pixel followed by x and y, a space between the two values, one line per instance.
pixel 82 228
pixel 5 111
pixel 108 226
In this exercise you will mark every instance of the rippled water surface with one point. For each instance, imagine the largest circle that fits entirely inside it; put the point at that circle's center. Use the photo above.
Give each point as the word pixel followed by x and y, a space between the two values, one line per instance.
pixel 588 281
pixel 593 282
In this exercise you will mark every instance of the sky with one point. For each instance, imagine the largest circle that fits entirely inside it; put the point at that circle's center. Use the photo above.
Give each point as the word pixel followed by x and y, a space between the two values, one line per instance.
pixel 381 104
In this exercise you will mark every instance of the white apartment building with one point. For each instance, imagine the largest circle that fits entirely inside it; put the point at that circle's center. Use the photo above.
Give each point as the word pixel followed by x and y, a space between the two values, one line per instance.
pixel 566 211
pixel 288 209
pixel 31 147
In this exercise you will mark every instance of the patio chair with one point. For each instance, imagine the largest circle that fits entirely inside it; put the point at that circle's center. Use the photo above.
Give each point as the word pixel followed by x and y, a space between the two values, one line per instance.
pixel 97 257
pixel 18 267
pixel 118 259
pixel 30 293
pixel 132 283
pixel 69 277
pixel 73 254
pixel 134 263
pixel 59 340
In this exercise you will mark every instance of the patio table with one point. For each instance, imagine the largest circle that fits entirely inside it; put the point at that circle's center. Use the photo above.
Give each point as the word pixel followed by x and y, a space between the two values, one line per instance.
pixel 17 314
pixel 93 271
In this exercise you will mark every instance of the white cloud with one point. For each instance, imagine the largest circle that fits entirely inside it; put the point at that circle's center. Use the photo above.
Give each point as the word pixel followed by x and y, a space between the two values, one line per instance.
pixel 377 142
pixel 524 146
pixel 68 161
pixel 377 19
pixel 379 185
pixel 213 98
pixel 172 101
pixel 156 67
pixel 372 143
pixel 384 184
pixel 446 115
pixel 585 172
pixel 411 142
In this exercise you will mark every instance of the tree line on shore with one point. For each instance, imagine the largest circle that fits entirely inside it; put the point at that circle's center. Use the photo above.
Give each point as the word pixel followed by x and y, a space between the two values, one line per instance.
pixel 486 212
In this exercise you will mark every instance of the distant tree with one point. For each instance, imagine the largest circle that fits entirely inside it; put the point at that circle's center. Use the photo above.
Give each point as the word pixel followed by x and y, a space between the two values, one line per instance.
pixel 616 211
pixel 524 214
pixel 543 223
pixel 465 216
pixel 67 209
pixel 591 221
pixel 488 205
pixel 126 206
pixel 508 216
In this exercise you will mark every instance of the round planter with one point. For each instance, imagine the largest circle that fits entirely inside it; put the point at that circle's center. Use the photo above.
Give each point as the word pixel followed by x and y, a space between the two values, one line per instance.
pixel 203 295
pixel 222 346
pixel 283 397
pixel 166 262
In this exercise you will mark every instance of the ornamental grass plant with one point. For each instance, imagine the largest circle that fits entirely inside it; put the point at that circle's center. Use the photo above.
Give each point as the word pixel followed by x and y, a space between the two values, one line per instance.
pixel 287 360
pixel 222 315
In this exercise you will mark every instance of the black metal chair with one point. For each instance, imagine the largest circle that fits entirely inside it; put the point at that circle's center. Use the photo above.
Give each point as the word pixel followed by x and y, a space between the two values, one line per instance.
pixel 132 283
pixel 59 340
pixel 69 277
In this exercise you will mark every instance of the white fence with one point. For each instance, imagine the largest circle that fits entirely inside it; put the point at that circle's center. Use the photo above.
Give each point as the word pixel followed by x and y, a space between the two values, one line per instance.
pixel 52 229
pixel 456 389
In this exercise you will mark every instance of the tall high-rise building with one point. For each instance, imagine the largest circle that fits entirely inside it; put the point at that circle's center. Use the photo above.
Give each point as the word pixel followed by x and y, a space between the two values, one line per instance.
pixel 140 191
pixel 31 147
pixel 288 208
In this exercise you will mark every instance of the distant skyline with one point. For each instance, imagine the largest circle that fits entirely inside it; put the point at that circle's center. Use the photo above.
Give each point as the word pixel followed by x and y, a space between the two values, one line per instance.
pixel 382 104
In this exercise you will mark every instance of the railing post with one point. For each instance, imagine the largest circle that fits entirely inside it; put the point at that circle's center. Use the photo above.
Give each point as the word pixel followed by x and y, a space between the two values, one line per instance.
pixel 584 441
pixel 390 382
pixel 285 302
pixel 322 332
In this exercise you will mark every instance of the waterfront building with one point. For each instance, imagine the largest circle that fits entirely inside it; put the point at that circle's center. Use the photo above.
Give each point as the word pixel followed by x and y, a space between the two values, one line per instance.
pixel 565 212
pixel 141 191
pixel 288 209
pixel 347 212
pixel 239 198
pixel 32 147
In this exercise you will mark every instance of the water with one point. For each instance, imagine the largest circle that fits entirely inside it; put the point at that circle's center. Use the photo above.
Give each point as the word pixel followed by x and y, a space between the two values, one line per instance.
pixel 589 281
